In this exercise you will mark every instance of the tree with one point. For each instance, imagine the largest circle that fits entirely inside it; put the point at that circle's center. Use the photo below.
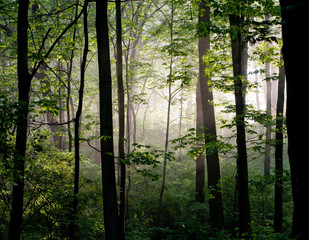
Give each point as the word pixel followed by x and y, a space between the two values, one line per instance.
pixel 24 83
pixel 268 126
pixel 207 120
pixel 169 102
pixel 77 121
pixel 121 120
pixel 240 57
pixel 295 47
pixel 106 124
pixel 278 216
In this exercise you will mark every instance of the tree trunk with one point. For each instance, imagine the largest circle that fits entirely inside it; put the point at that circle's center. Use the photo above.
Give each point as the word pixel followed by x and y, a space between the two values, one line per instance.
pixel 24 83
pixel 268 125
pixel 200 159
pixel 169 102
pixel 106 124
pixel 69 75
pixel 209 123
pixel 165 149
pixel 239 57
pixel 72 228
pixel 295 49
pixel 278 216
pixel 121 120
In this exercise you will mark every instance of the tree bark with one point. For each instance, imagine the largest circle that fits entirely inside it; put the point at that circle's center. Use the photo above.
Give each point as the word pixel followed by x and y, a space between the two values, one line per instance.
pixel 121 119
pixel 239 57
pixel 200 159
pixel 278 216
pixel 24 83
pixel 106 124
pixel 268 126
pixel 209 123
pixel 295 49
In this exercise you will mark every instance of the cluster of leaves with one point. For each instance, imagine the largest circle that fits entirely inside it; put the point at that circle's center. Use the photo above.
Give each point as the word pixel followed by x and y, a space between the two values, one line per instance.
pixel 195 140
pixel 47 207
pixel 147 158
pixel 7 129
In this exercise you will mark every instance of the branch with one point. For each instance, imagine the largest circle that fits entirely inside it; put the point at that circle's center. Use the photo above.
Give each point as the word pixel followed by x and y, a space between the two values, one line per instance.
pixel 37 65
pixel 56 75
pixel 88 141
pixel 7 29
pixel 50 124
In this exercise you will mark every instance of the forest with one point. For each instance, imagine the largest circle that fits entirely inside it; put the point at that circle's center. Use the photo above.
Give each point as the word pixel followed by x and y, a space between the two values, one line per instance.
pixel 153 119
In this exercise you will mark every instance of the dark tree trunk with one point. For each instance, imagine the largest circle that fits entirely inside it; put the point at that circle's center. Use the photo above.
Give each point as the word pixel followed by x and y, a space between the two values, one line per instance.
pixel 209 122
pixel 73 226
pixel 200 159
pixel 239 57
pixel 295 49
pixel 278 216
pixel 121 120
pixel 268 126
pixel 106 124
pixel 24 83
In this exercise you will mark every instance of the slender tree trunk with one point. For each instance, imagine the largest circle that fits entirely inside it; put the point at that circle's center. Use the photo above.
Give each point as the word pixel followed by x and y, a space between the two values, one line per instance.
pixel 239 57
pixel 73 226
pixel 200 159
pixel 180 123
pixel 209 122
pixel 165 151
pixel 121 119
pixel 106 124
pixel 295 49
pixel 278 216
pixel 169 101
pixel 268 126
pixel 24 83
pixel 69 98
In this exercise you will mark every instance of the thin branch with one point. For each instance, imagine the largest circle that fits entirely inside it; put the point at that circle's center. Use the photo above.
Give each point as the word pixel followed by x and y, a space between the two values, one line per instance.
pixel 37 65
pixel 49 124
pixel 57 76
pixel 88 142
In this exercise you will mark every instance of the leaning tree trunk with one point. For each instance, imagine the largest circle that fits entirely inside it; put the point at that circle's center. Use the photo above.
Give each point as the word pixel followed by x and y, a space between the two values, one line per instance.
pixel 24 83
pixel 295 50
pixel 239 57
pixel 209 124
pixel 106 124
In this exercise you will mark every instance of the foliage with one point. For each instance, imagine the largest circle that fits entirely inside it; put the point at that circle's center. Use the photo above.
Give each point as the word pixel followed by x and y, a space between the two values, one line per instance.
pixel 160 51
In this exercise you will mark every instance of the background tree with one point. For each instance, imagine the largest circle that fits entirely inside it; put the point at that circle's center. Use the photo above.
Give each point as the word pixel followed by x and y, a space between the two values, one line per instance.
pixel 72 230
pixel 278 215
